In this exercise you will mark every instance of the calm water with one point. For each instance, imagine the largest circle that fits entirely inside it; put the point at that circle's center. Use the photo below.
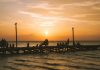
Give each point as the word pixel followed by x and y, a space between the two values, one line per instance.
pixel 81 60
pixel 89 60
pixel 23 44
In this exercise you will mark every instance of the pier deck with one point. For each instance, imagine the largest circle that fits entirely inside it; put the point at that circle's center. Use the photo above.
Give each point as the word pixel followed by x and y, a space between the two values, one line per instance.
pixel 47 49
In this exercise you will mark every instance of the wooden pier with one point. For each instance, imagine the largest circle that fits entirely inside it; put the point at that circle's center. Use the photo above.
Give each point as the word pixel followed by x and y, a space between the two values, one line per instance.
pixel 47 49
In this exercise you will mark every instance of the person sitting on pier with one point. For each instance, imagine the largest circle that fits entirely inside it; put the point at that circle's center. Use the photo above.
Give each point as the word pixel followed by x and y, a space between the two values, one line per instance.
pixel 67 43
pixel 45 43
pixel 62 44
pixel 13 45
pixel 78 45
pixel 58 44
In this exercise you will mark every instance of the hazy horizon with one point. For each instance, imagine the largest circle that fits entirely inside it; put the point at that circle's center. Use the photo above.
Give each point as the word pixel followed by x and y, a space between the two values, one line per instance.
pixel 54 40
pixel 41 19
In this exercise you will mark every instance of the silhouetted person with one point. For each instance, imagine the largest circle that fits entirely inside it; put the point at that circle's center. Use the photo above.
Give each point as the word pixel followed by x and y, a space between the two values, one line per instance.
pixel 68 41
pixel 3 43
pixel 27 44
pixel 62 43
pixel 78 44
pixel 46 42
pixel 13 45
pixel 37 45
pixel 7 44
pixel 58 44
pixel 66 44
pixel 10 45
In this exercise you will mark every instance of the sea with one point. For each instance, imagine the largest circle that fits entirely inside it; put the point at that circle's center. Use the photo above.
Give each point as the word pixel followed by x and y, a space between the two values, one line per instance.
pixel 78 60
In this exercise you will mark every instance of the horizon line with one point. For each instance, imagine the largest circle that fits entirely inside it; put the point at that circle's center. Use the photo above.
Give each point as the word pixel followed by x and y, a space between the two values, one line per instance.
pixel 52 40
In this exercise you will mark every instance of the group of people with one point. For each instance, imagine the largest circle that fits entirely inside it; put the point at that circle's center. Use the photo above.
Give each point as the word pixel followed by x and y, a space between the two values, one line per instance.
pixel 44 43
pixel 63 43
pixel 3 43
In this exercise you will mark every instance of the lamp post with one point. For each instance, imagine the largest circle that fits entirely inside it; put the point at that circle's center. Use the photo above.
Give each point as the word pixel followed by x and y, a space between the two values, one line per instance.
pixel 16 34
pixel 73 36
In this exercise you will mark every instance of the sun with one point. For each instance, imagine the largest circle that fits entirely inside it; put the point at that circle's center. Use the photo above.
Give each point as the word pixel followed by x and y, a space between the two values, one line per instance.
pixel 46 33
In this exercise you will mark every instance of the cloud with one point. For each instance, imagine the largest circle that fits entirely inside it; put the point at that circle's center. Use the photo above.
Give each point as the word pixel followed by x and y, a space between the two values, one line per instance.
pixel 85 3
pixel 47 24
pixel 96 8
pixel 49 14
pixel 47 18
pixel 58 10
pixel 4 1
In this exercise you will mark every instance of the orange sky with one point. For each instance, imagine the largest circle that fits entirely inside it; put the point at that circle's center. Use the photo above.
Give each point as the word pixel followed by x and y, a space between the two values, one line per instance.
pixel 52 19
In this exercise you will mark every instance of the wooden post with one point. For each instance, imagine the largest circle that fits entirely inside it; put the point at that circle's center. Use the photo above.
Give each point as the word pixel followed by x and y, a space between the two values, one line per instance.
pixel 16 34
pixel 73 36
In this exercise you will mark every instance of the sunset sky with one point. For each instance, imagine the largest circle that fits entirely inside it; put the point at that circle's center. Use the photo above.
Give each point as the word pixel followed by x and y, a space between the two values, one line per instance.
pixel 52 19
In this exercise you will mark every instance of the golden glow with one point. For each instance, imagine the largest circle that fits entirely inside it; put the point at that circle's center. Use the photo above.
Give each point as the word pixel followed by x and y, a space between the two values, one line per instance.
pixel 46 33
pixel 40 19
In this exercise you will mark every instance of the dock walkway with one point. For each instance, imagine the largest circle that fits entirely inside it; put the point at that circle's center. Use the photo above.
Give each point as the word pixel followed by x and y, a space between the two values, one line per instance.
pixel 47 49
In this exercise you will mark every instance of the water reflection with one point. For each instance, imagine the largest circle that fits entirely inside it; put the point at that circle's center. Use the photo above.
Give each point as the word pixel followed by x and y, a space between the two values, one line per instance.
pixel 68 61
